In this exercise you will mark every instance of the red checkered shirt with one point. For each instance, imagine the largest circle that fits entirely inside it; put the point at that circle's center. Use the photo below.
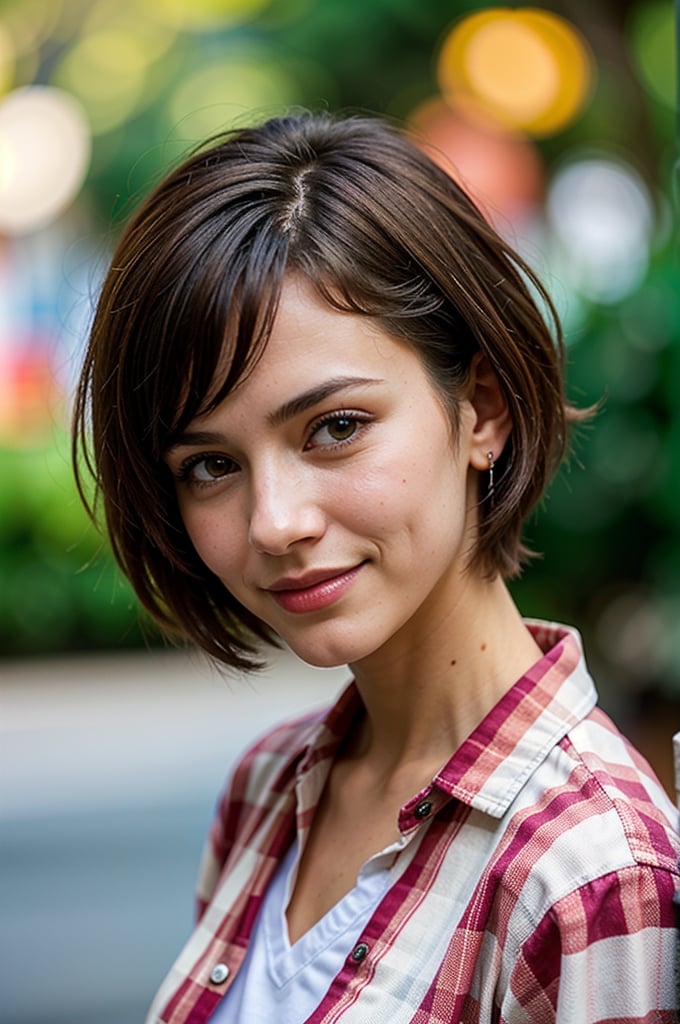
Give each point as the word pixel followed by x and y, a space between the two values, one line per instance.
pixel 534 877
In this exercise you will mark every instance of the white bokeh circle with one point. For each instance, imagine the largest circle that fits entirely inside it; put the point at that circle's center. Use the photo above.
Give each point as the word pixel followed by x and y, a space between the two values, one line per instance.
pixel 44 155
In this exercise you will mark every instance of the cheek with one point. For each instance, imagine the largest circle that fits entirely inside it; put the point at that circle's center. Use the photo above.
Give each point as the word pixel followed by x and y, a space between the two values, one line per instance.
pixel 214 538
pixel 413 486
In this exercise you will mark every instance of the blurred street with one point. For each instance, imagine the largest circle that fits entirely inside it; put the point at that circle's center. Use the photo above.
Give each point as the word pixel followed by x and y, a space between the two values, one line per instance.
pixel 110 769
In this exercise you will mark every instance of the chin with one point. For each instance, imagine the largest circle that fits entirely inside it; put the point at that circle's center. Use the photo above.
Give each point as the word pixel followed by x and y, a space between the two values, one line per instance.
pixel 329 652
pixel 318 658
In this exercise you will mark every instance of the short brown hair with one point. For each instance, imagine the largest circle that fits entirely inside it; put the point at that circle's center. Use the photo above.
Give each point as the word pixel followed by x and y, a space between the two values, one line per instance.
pixel 379 230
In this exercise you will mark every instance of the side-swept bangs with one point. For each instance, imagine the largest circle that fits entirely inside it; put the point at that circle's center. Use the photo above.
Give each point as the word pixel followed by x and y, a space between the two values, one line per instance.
pixel 185 311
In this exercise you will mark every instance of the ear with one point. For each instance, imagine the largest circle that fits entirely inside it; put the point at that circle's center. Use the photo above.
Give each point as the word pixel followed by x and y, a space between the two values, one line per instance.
pixel 492 423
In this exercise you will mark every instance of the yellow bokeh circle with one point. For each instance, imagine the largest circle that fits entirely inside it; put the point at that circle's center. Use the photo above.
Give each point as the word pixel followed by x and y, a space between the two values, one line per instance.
pixel 226 93
pixel 527 69
pixel 199 15
pixel 108 72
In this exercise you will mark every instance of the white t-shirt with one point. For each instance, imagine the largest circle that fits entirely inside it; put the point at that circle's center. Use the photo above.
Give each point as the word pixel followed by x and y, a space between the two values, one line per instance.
pixel 286 983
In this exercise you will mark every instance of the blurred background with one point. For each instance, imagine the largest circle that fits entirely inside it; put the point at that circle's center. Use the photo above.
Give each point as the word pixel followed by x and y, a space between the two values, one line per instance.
pixel 561 120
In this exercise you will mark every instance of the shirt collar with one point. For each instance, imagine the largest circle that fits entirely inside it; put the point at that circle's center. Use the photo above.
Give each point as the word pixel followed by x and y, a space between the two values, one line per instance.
pixel 498 757
pixel 491 766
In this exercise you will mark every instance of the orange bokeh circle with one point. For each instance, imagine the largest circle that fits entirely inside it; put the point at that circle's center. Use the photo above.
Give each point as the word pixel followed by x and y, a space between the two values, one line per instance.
pixel 530 69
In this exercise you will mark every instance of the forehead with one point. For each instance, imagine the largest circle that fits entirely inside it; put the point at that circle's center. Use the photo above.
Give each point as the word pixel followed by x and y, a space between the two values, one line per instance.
pixel 315 351
pixel 310 340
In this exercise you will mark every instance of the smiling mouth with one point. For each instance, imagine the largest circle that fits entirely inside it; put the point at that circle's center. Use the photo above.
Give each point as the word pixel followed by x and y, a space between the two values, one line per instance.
pixel 315 590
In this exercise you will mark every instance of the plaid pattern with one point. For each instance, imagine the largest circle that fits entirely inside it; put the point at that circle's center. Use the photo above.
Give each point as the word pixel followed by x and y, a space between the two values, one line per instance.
pixel 539 888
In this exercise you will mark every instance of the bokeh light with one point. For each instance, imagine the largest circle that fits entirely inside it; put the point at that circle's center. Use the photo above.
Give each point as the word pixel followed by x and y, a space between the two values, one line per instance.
pixel 199 15
pixel 29 23
pixel 502 171
pixel 29 394
pixel 634 432
pixel 44 155
pixel 601 214
pixel 224 92
pixel 652 37
pixel 526 68
pixel 108 71
pixel 6 60
pixel 639 627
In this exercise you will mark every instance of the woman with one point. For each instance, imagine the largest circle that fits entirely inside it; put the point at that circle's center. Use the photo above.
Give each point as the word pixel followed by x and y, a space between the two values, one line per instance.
pixel 323 400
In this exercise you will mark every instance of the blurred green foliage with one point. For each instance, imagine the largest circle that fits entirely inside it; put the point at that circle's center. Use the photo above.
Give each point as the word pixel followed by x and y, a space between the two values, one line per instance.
pixel 60 589
pixel 610 525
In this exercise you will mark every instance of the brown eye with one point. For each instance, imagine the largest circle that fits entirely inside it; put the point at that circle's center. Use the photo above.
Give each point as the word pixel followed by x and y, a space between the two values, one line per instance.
pixel 337 429
pixel 342 428
pixel 209 468
pixel 215 465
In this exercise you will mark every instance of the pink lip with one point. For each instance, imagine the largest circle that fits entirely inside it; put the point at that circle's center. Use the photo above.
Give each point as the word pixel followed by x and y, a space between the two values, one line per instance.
pixel 314 590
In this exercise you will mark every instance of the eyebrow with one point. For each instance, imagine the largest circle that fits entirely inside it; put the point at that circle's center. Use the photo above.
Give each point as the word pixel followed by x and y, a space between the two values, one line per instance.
pixel 301 403
pixel 308 399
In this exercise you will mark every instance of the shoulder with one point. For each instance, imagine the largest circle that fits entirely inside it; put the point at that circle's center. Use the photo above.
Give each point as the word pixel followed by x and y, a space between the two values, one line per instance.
pixel 607 947
pixel 270 763
pixel 586 877
pixel 595 796
pixel 616 781
pixel 592 823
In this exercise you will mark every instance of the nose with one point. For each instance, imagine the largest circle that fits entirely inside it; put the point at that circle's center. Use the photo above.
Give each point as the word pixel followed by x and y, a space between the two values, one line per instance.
pixel 284 511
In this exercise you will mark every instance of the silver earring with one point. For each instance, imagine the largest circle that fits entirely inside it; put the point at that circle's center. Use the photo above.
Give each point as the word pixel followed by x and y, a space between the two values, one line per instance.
pixel 490 488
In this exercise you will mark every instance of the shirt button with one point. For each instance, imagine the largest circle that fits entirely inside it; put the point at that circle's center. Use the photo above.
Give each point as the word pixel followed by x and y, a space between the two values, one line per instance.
pixel 360 952
pixel 423 809
pixel 219 973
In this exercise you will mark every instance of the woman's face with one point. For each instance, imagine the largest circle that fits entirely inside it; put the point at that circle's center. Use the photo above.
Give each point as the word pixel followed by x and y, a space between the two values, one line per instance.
pixel 327 492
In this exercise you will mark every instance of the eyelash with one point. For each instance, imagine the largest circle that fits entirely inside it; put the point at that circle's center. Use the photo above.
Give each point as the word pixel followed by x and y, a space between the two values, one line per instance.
pixel 360 420
pixel 184 472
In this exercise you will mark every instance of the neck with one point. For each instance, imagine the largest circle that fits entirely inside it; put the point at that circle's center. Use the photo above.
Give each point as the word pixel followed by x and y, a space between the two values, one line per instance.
pixel 429 688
